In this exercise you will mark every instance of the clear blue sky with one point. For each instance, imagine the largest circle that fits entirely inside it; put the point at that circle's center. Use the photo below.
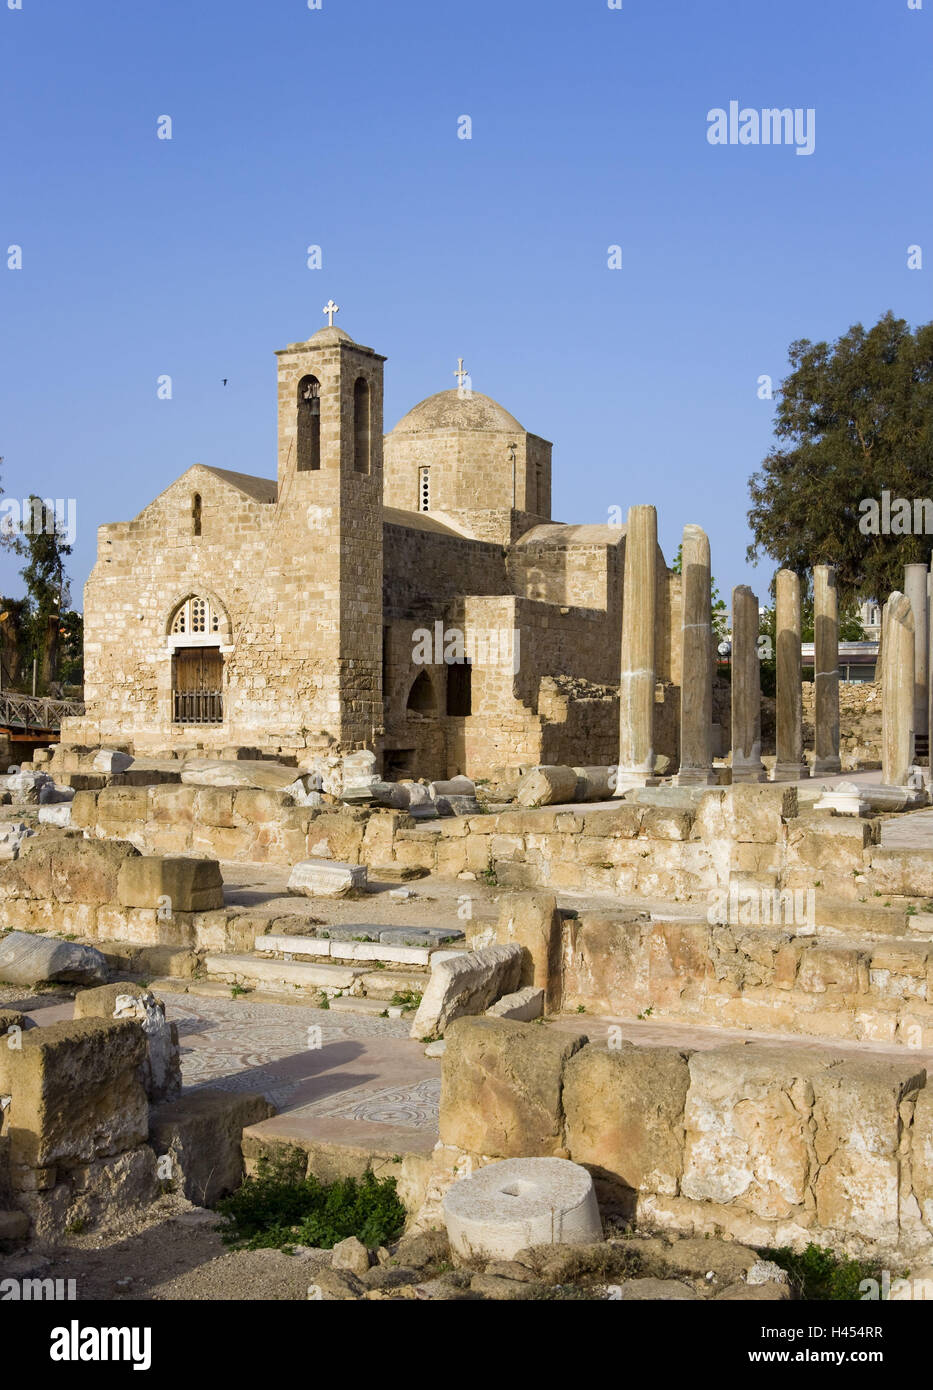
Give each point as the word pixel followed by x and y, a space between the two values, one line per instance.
pixel 339 127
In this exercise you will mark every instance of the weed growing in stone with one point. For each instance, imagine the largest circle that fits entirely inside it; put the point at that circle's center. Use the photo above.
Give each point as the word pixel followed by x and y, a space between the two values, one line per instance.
pixel 281 1207
pixel 406 999
pixel 819 1274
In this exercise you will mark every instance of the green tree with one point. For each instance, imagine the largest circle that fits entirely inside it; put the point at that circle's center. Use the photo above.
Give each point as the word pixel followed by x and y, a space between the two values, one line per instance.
pixel 39 539
pixel 854 418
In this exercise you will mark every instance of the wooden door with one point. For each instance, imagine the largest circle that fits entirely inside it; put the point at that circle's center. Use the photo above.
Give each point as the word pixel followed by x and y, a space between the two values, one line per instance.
pixel 197 682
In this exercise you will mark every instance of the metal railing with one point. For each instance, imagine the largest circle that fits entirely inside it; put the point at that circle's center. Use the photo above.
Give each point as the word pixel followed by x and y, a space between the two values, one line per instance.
pixel 198 707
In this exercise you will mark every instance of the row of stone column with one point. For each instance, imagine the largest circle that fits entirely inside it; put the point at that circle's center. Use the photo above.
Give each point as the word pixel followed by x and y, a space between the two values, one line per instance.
pixel 638 676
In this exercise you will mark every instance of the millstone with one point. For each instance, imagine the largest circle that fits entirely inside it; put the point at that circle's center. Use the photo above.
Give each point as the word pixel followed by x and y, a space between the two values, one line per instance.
pixel 507 1206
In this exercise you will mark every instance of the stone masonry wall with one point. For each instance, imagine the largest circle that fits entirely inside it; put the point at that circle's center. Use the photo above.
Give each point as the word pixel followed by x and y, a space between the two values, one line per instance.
pixel 769 1145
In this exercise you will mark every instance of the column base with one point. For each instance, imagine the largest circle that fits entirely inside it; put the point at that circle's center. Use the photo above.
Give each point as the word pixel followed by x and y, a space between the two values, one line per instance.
pixel 749 773
pixel 696 777
pixel 790 772
pixel 826 767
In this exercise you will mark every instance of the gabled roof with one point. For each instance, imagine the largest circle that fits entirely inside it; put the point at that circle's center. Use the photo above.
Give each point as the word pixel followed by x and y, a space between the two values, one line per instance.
pixel 260 489
pixel 418 521
pixel 559 533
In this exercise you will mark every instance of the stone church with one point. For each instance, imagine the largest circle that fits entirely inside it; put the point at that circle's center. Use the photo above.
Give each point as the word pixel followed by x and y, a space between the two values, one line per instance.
pixel 408 593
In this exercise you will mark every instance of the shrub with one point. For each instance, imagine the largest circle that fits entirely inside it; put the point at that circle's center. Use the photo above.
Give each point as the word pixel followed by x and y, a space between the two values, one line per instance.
pixel 819 1274
pixel 279 1206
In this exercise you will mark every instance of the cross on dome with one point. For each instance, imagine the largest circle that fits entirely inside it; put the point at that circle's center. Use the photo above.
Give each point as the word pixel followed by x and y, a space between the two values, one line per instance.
pixel 460 373
pixel 330 309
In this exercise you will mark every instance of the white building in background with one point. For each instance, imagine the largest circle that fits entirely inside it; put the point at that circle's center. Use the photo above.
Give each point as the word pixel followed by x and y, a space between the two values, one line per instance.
pixel 869 613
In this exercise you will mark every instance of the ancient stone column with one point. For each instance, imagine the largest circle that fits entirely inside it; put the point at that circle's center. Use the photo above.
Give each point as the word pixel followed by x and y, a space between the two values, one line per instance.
pixel 930 666
pixel 897 691
pixel 790 765
pixel 696 683
pixel 915 589
pixel 826 671
pixel 746 688
pixel 637 683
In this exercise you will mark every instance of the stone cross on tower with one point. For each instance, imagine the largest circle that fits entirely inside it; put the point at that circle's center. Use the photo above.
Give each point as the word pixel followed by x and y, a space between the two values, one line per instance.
pixel 330 309
pixel 460 373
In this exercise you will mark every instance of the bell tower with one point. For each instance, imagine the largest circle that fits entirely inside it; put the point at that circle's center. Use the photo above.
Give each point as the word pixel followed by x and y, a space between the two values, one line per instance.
pixel 328 553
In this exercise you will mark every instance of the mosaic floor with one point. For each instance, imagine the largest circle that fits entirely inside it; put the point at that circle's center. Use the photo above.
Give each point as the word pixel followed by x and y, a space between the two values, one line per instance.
pixel 306 1062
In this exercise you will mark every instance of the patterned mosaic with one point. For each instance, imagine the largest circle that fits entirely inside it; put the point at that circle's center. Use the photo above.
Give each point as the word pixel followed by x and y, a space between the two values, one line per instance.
pixel 234 1045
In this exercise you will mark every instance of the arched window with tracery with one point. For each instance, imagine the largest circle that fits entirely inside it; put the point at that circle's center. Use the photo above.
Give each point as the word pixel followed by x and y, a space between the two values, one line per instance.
pixel 196 617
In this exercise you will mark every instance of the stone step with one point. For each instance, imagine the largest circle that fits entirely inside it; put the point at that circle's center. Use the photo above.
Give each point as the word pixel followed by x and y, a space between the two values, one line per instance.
pixel 392 936
pixel 326 949
pixel 385 984
pixel 353 1004
pixel 872 917
pixel 306 975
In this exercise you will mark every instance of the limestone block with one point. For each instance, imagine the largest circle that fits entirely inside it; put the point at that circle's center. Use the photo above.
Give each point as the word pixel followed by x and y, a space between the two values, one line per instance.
pixel 454 786
pixel 607 963
pixel 173 883
pixel 172 804
pixel 77 1096
pixel 532 921
pixel 747 1127
pixel 59 815
pixel 662 824
pixel 114 807
pixel 24 787
pixel 358 772
pixel 501 1087
pixel 625 1114
pixel 84 809
pixel 52 795
pixel 521 1202
pixel 31 960
pixel 98 1191
pixel 825 968
pixel 337 835
pixel 857 1109
pixel 214 807
pixel 160 1071
pixel 547 786
pixel 921 1155
pixel 109 761
pixel 524 1006
pixel 465 984
pixel 327 878
pixel 86 871
pixel 202 1134
pixel 262 775
pixel 746 812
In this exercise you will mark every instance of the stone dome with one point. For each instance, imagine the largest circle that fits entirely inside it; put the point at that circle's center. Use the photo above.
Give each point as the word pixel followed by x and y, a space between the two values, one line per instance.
pixel 449 410
pixel 324 336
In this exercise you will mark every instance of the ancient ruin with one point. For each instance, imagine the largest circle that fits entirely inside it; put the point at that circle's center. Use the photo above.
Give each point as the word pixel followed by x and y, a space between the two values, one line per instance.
pixel 607 983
